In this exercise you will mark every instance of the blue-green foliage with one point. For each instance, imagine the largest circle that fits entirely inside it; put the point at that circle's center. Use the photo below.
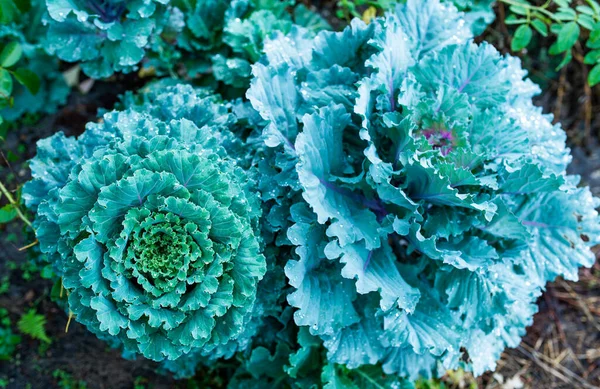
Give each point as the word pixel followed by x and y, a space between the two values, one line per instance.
pixel 428 195
pixel 221 38
pixel 224 38
pixel 104 35
pixel 29 31
pixel 389 205
pixel 478 13
pixel 153 227
pixel 114 253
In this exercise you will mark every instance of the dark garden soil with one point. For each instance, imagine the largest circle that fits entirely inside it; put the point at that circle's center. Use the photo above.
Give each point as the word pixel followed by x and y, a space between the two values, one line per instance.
pixel 560 350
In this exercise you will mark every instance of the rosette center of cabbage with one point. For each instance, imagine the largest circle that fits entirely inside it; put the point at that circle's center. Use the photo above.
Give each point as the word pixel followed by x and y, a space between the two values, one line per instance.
pixel 440 138
pixel 163 249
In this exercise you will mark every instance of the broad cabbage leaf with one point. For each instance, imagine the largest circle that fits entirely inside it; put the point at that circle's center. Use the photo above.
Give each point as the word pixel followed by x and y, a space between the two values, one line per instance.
pixel 427 197
pixel 477 14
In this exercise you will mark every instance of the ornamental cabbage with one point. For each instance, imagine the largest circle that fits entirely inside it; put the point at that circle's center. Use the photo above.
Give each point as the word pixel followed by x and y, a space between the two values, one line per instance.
pixel 428 195
pixel 106 36
pixel 224 38
pixel 217 37
pixel 153 226
pixel 392 207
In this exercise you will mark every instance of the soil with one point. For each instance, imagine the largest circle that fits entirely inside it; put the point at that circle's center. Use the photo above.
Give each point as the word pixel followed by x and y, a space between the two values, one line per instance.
pixel 560 350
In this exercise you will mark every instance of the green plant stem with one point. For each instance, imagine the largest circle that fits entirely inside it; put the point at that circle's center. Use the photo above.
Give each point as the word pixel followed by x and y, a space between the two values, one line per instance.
pixel 532 8
pixel 12 201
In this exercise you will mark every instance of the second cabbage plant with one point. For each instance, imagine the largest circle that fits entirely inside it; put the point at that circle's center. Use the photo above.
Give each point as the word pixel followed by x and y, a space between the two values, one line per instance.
pixel 387 204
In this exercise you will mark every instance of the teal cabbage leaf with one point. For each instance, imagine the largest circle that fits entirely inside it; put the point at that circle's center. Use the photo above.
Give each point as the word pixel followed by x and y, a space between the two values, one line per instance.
pixel 478 13
pixel 425 196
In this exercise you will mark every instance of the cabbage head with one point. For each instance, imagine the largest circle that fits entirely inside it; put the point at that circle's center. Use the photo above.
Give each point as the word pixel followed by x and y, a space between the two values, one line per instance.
pixel 153 227
pixel 224 38
pixel 106 36
pixel 428 196
pixel 220 38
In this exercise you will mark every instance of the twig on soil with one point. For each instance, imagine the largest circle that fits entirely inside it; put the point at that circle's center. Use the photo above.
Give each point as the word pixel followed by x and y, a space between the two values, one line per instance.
pixel 556 370
pixel 587 102
pixel 590 369
pixel 68 321
pixel 569 300
pixel 576 361
pixel 503 27
pixel 560 94
pixel 590 354
pixel 581 304
pixel 30 245
pixel 568 350
pixel 552 309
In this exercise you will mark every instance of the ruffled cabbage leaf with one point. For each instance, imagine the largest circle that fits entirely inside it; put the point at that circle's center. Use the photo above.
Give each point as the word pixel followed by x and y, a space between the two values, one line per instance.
pixel 427 197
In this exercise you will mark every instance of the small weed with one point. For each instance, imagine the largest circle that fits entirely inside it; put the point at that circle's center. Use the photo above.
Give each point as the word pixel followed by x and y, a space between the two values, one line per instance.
pixel 140 383
pixel 8 340
pixel 66 380
pixel 4 285
pixel 33 324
